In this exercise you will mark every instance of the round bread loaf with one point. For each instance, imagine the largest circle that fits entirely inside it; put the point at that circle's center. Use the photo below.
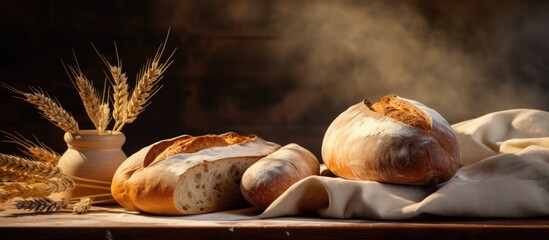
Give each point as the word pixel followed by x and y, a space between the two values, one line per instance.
pixel 188 175
pixel 269 177
pixel 394 140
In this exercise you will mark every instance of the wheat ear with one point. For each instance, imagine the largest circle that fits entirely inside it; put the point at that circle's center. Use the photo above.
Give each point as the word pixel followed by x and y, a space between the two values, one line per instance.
pixel 36 150
pixel 120 94
pixel 119 85
pixel 104 110
pixel 83 206
pixel 33 189
pixel 88 94
pixel 51 109
pixel 105 117
pixel 59 184
pixel 146 86
pixel 36 171
pixel 23 165
pixel 8 175
pixel 23 190
pixel 41 204
pixel 44 204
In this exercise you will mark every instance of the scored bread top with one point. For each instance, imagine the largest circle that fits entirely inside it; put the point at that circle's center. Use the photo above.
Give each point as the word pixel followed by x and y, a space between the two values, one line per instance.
pixel 188 144
pixel 395 140
pixel 402 111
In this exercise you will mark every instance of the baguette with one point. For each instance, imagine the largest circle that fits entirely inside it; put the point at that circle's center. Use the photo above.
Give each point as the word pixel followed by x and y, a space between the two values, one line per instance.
pixel 394 140
pixel 269 177
pixel 188 175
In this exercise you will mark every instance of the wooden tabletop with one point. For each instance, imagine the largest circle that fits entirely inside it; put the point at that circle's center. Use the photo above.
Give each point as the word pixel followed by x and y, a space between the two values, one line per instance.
pixel 113 222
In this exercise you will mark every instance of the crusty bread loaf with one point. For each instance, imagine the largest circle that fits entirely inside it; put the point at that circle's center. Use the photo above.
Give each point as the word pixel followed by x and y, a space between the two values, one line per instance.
pixel 394 140
pixel 188 175
pixel 269 177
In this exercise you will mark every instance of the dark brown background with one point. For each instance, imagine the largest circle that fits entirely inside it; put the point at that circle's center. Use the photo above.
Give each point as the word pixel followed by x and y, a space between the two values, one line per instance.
pixel 280 69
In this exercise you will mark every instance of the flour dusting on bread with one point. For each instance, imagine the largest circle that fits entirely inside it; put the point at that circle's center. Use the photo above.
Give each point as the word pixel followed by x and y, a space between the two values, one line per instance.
pixel 394 140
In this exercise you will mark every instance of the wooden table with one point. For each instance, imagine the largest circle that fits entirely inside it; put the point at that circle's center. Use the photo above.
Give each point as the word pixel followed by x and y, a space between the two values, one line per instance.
pixel 113 222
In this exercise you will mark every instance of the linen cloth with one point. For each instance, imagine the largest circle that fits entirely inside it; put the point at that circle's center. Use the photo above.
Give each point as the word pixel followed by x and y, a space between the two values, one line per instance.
pixel 504 173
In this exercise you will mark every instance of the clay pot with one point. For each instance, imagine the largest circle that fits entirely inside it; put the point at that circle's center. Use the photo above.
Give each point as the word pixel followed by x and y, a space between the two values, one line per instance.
pixel 92 159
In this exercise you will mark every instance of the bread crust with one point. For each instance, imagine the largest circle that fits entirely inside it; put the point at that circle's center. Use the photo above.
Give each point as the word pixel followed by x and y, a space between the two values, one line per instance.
pixel 271 176
pixel 148 180
pixel 394 140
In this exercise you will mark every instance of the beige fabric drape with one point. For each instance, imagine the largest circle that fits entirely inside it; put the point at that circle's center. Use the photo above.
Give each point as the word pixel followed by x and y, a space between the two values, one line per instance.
pixel 505 173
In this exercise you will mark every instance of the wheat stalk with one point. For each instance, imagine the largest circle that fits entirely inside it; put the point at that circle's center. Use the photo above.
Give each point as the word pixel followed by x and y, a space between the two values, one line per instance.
pixel 8 175
pixel 44 204
pixel 41 204
pixel 144 90
pixel 38 151
pixel 51 109
pixel 59 184
pixel 126 108
pixel 25 178
pixel 23 165
pixel 120 94
pixel 119 85
pixel 23 190
pixel 36 171
pixel 145 87
pixel 120 91
pixel 83 206
pixel 34 189
pixel 105 109
pixel 88 94
pixel 105 117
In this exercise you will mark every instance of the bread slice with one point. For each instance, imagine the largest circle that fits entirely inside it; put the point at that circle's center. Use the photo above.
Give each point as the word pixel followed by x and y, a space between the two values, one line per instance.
pixel 188 175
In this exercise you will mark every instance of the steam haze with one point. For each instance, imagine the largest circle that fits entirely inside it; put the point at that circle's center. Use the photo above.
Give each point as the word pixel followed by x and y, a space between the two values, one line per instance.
pixel 464 58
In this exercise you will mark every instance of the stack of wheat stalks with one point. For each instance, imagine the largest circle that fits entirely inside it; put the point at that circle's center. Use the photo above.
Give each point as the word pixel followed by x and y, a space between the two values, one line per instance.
pixel 33 178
